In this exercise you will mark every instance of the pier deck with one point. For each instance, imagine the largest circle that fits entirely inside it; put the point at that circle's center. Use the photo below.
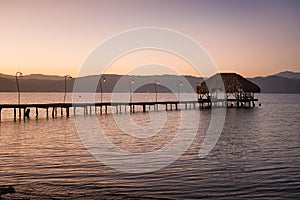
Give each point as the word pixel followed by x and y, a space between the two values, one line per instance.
pixel 19 110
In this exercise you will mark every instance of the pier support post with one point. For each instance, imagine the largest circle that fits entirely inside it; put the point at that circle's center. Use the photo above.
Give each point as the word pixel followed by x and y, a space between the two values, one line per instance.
pixel 74 111
pixel 19 113
pixel 15 114
pixel 106 109
pixel 144 108
pixel 47 112
pixel 67 111
pixel 53 110
pixel 36 112
pixel 0 113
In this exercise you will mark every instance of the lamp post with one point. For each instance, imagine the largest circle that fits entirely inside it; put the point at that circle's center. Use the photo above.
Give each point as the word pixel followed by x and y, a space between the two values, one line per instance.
pixel 155 88
pixel 131 81
pixel 69 78
pixel 198 90
pixel 102 79
pixel 179 84
pixel 156 82
pixel 19 74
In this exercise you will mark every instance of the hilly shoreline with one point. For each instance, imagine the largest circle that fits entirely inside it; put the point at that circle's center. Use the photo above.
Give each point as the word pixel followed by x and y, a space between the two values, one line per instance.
pixel 283 82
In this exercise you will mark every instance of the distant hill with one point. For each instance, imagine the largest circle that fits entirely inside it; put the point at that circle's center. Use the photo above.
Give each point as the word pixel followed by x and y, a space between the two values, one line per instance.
pixel 283 82
pixel 34 76
pixel 43 77
pixel 289 74
pixel 277 84
pixel 44 83
pixel 6 76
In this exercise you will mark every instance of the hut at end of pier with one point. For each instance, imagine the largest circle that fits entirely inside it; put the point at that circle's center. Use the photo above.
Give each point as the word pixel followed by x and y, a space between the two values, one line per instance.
pixel 239 92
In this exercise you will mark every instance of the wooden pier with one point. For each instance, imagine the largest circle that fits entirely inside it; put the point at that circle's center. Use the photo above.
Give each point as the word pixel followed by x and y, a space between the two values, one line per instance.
pixel 229 103
pixel 52 109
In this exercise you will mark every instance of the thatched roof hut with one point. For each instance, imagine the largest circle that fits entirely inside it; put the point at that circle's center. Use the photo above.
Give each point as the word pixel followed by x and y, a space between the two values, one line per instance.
pixel 233 83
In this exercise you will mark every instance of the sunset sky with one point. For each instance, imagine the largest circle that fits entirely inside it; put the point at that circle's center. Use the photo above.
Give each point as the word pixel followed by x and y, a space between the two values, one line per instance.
pixel 250 37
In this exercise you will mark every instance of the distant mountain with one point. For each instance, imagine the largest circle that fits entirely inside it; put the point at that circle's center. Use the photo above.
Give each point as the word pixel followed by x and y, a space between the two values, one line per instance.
pixel 277 84
pixel 43 77
pixel 283 82
pixel 6 76
pixel 34 76
pixel 289 74
pixel 114 83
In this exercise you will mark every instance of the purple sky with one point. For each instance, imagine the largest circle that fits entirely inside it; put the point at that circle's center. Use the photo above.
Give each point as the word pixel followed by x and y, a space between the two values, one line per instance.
pixel 250 37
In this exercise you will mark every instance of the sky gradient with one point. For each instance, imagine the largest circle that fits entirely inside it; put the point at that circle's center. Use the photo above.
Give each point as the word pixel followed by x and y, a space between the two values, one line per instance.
pixel 250 37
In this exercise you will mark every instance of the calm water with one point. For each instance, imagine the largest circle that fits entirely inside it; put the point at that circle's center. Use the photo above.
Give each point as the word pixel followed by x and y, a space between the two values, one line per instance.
pixel 257 155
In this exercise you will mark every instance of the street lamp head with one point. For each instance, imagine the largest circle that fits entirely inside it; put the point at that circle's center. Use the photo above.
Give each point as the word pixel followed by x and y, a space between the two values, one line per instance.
pixel 20 74
pixel 131 81
pixel 104 79
pixel 179 83
pixel 69 77
pixel 157 82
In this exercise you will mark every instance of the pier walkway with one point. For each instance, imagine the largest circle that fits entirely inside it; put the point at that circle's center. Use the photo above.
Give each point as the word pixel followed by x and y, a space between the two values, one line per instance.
pixel 20 111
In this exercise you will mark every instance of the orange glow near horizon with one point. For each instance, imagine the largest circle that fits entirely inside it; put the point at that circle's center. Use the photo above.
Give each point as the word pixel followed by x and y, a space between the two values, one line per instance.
pixel 148 62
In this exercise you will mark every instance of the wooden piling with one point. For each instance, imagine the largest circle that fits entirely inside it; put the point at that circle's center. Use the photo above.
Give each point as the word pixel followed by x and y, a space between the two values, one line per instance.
pixel 15 114
pixel 36 112
pixel 67 111
pixel 19 113
pixel 53 114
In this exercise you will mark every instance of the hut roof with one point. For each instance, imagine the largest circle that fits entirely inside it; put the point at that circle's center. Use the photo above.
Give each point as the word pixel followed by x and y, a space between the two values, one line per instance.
pixel 232 82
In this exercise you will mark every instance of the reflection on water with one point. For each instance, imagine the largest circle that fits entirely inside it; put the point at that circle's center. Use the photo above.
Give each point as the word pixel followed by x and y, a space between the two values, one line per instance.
pixel 257 156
